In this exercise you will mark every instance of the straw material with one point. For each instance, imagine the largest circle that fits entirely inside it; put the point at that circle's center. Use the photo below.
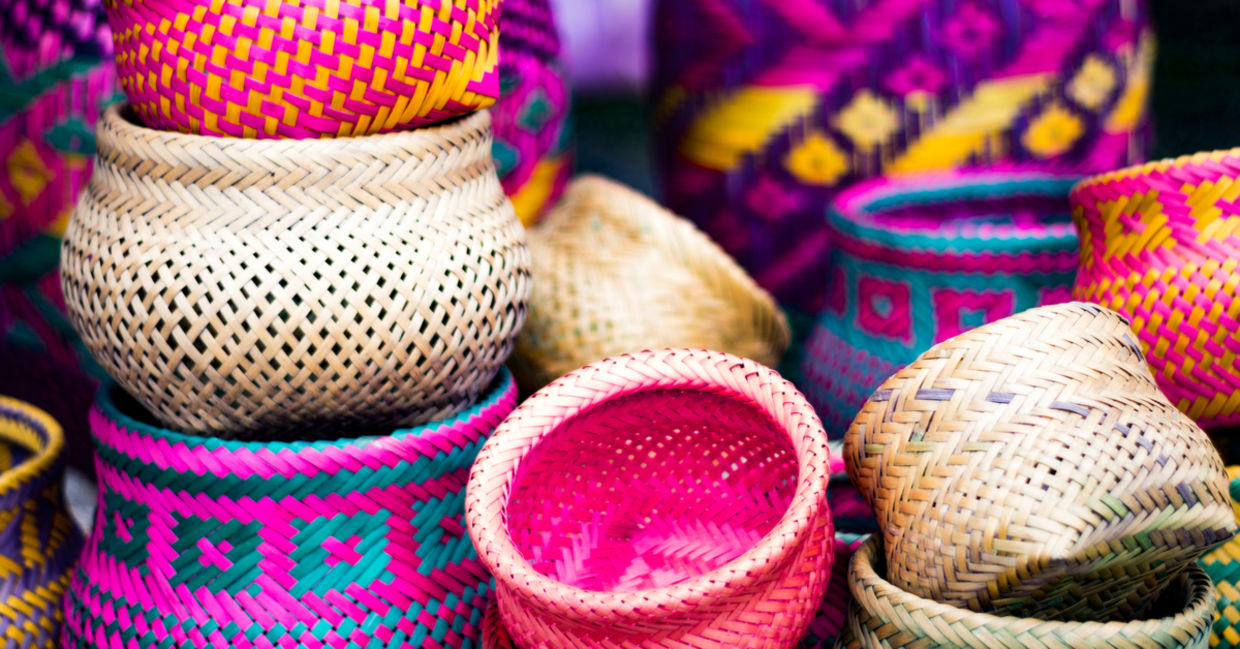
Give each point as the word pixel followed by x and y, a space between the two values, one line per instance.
pixel 205 543
pixel 885 617
pixel 615 273
pixel 1160 243
pixel 1223 566
pixel 293 69
pixel 671 498
pixel 39 542
pixel 919 259
pixel 293 288
pixel 1032 467
pixel 764 109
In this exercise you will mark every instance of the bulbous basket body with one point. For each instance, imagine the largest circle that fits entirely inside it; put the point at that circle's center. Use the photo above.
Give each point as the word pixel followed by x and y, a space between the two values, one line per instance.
pixel 920 259
pixel 39 542
pixel 1160 244
pixel 264 289
pixel 668 498
pixel 292 69
pixel 201 542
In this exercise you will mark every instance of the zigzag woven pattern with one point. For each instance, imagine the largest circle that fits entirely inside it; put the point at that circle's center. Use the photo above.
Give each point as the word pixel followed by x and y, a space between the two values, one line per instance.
pixel 765 108
pixel 39 541
pixel 305 68
pixel 1223 567
pixel 920 259
pixel 346 544
pixel 1031 467
pixel 1160 243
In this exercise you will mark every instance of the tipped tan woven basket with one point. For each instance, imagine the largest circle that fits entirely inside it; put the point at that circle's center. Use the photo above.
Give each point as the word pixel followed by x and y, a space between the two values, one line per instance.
pixel 281 288
pixel 883 616
pixel 614 272
pixel 1032 467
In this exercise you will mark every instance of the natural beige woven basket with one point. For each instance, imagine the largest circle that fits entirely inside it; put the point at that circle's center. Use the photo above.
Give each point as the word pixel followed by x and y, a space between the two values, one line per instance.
pixel 614 272
pixel 1032 467
pixel 284 288
pixel 883 616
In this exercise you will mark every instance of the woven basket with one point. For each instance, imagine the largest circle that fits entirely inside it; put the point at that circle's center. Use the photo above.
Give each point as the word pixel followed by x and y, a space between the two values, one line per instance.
pixel 293 69
pixel 885 617
pixel 918 260
pixel 532 133
pixel 293 288
pixel 670 498
pixel 764 110
pixel 616 273
pixel 201 542
pixel 1031 467
pixel 39 541
pixel 1160 244
pixel 1223 566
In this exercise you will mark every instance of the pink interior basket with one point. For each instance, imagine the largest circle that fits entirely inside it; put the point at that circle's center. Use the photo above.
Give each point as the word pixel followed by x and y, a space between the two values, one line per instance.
pixel 667 498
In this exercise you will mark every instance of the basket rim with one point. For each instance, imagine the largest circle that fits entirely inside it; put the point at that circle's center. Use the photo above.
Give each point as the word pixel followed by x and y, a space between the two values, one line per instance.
pixel 695 369
pixel 1153 166
pixel 501 387
pixel 43 457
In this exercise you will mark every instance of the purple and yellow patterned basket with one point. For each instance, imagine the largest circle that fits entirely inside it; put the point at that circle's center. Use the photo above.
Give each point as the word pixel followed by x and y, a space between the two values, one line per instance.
pixel 201 542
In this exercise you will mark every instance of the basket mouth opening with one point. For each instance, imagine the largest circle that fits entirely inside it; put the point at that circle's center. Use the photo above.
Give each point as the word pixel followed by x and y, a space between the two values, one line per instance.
pixel 651 489
pixel 30 442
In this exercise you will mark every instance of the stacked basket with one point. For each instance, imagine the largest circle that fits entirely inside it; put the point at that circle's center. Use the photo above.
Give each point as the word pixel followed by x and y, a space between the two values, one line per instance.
pixel 304 281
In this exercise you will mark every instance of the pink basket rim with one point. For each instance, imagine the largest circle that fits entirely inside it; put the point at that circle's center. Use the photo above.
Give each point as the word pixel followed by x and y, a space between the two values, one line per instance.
pixel 1204 161
pixel 686 369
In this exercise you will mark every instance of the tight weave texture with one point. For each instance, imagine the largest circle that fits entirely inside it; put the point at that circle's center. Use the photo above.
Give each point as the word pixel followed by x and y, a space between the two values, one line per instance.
pixel 1160 243
pixel 1032 467
pixel 669 498
pixel 1223 567
pixel 920 259
pixel 766 108
pixel 348 544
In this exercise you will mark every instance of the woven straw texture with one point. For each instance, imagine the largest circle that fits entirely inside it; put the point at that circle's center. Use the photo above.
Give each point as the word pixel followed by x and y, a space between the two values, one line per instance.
pixel 885 617
pixel 294 288
pixel 918 260
pixel 615 273
pixel 38 540
pixel 670 498
pixel 351 543
pixel 55 75
pixel 294 69
pixel 765 108
pixel 1032 467
pixel 1160 244
pixel 532 133
pixel 1223 566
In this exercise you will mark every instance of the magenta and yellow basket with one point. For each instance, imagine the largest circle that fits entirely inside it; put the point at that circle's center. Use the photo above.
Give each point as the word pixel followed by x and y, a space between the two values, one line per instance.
pixel 1160 243
pixel 667 498
pixel 292 69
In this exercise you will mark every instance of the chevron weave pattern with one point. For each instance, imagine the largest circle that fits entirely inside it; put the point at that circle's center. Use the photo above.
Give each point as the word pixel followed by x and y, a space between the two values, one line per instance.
pixel 297 287
pixel 885 617
pixel 670 498
pixel 350 544
pixel 298 69
pixel 1160 243
pixel 1032 467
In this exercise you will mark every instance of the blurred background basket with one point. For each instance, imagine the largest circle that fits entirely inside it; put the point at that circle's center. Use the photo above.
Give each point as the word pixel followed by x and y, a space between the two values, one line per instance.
pixel 917 260
pixel 291 69
pixel 293 288
pixel 615 273
pixel 39 541
pixel 1032 467
pixel 210 542
pixel 667 498
pixel 1160 243
pixel 883 616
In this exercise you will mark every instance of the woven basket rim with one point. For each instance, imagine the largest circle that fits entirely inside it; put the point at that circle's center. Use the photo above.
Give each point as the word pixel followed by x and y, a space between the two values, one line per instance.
pixel 1199 599
pixel 501 386
pixel 43 458
pixel 499 461
pixel 1153 166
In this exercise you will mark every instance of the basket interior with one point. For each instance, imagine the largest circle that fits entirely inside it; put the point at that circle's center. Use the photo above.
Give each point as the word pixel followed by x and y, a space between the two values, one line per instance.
pixel 650 489
pixel 980 211
pixel 21 437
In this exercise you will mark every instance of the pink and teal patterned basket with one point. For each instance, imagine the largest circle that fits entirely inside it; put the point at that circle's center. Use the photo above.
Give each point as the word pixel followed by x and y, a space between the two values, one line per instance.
pixel 920 259
pixel 359 542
